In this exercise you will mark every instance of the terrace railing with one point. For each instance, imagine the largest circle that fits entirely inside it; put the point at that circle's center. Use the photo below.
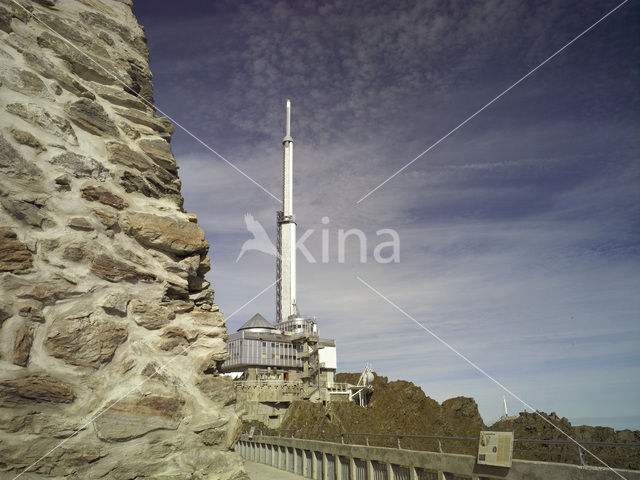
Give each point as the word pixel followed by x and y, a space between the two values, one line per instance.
pixel 323 460
pixel 622 455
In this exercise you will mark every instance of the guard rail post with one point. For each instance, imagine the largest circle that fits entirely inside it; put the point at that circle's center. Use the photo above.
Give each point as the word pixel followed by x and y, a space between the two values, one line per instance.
pixel 370 472
pixel 352 468
pixel 413 474
pixel 314 463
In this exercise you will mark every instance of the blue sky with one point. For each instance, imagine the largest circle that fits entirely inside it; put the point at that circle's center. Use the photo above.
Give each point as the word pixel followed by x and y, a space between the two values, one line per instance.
pixel 519 232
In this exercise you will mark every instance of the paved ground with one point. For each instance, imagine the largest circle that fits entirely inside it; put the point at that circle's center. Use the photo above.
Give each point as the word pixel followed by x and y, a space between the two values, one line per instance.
pixel 258 471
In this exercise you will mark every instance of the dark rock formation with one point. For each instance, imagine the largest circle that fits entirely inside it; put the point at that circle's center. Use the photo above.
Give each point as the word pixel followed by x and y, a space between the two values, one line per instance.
pixel 536 427
pixel 22 345
pixel 37 116
pixel 151 316
pixel 91 116
pixel 80 166
pixel 104 196
pixel 397 407
pixel 34 388
pixel 14 255
pixel 108 268
pixel 402 408
pixel 87 341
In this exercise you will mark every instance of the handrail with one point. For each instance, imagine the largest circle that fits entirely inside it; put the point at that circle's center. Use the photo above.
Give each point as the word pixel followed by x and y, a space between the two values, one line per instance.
pixel 311 458
pixel 397 438
pixel 403 435
pixel 475 439
pixel 268 382
pixel 569 442
pixel 340 386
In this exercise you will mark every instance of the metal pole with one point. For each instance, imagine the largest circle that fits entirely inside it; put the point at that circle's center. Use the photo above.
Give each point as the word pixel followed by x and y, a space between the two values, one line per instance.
pixel 288 128
pixel 582 462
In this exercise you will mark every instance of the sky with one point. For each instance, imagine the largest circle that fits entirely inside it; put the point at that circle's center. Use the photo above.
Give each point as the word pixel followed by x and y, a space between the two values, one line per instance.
pixel 518 233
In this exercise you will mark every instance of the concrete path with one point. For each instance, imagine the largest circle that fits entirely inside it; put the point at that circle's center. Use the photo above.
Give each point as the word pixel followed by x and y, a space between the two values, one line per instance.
pixel 258 471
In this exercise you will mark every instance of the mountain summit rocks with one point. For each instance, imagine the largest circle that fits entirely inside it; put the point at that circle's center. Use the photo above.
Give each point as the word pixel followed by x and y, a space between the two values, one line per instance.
pixel 109 335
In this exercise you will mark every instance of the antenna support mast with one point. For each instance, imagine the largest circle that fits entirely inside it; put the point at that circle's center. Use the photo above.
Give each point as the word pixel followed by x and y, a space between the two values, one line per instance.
pixel 286 261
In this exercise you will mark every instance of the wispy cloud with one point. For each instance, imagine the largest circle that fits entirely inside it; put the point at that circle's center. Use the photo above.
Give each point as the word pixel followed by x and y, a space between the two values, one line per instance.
pixel 518 235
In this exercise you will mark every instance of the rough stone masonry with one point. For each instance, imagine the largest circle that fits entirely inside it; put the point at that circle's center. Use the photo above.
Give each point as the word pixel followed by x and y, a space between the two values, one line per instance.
pixel 101 269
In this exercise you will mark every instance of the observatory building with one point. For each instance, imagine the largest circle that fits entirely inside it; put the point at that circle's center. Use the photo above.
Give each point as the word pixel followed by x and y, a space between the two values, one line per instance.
pixel 275 364
pixel 287 352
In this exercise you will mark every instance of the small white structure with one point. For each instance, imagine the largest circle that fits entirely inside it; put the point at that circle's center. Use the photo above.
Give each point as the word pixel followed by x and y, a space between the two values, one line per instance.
pixel 360 392
pixel 506 415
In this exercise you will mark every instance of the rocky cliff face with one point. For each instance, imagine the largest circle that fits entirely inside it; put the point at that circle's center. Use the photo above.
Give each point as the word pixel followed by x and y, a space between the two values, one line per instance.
pixel 532 426
pixel 400 407
pixel 108 328
pixel 396 407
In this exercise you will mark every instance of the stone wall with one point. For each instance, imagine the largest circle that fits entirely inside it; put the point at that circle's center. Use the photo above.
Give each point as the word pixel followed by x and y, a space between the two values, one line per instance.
pixel 107 325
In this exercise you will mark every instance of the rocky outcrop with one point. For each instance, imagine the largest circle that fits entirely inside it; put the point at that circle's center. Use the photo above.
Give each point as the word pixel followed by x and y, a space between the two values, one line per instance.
pixel 396 407
pixel 402 408
pixel 104 196
pixel 538 426
pixel 110 339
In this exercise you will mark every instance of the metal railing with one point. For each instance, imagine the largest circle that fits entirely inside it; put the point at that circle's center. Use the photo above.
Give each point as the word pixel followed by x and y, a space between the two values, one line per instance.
pixel 256 383
pixel 621 455
pixel 323 460
pixel 340 387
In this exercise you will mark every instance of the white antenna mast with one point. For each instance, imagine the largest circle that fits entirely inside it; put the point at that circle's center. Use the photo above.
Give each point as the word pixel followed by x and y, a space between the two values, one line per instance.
pixel 286 261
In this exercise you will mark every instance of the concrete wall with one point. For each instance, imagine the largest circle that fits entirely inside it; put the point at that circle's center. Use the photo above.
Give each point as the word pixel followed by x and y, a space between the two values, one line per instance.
pixel 270 414
pixel 334 461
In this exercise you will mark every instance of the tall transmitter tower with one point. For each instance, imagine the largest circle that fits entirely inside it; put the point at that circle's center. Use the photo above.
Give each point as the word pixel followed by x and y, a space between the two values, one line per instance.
pixel 286 261
pixel 276 364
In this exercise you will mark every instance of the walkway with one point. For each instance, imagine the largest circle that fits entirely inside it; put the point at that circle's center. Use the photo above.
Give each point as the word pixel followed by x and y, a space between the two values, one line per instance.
pixel 258 471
